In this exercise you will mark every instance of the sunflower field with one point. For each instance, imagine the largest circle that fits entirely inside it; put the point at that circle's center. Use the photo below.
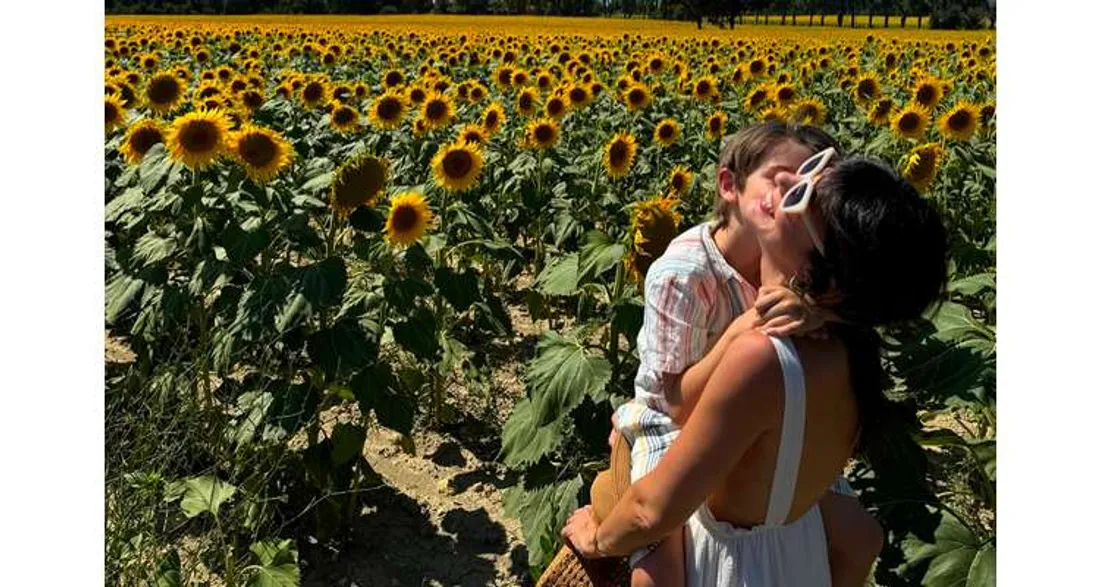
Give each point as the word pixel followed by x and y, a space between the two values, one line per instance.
pixel 344 215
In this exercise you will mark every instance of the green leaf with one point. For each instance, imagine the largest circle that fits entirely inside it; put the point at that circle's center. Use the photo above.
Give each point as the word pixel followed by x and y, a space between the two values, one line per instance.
pixel 985 452
pixel 120 292
pixel 562 373
pixel 491 316
pixel 542 513
pixel 347 443
pixel 129 201
pixel 367 219
pixel 459 289
pixel 523 441
pixel 154 168
pixel 323 283
pixel 152 248
pixel 277 564
pixel 342 349
pixel 957 558
pixel 417 334
pixel 294 312
pixel 321 181
pixel 254 406
pixel 377 389
pixel 402 294
pixel 598 254
pixel 560 277
pixel 974 284
pixel 168 571
pixel 242 246
pixel 205 494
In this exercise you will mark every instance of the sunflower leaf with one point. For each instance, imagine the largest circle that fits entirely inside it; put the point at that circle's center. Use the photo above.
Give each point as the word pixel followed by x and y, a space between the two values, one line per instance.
pixel 523 441
pixel 560 277
pixel 562 373
pixel 598 254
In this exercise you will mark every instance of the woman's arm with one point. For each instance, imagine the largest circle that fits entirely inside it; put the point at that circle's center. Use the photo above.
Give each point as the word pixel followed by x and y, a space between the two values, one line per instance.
pixel 685 392
pixel 739 403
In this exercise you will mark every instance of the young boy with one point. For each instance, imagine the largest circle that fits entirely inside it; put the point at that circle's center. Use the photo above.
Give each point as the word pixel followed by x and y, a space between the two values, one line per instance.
pixel 706 279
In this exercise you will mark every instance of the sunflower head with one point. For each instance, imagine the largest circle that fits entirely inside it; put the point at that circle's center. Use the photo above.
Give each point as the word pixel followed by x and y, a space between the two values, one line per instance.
pixel 928 92
pixel 756 98
pixel 457 166
pixel 164 92
pixel 911 122
pixel 705 88
pixel 437 110
pixel 809 111
pixel 475 134
pixel 618 154
pixel 637 97
pixel 262 152
pixel 783 94
pixel 880 111
pixel 344 118
pixel 315 92
pixel 680 180
pixel 867 88
pixel 115 112
pixel 199 138
pixel 960 122
pixel 140 138
pixel 653 225
pixel 527 101
pixel 408 218
pixel 358 182
pixel 921 165
pixel 493 118
pixel 988 111
pixel 666 132
pixel 578 97
pixel 716 126
pixel 541 134
pixel 556 107
pixel 388 110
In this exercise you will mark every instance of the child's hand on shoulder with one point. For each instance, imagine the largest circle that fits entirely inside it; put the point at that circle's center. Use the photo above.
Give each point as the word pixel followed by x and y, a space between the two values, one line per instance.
pixel 782 312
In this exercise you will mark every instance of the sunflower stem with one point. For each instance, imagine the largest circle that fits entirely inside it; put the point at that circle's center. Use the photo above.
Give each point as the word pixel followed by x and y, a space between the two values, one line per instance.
pixel 613 350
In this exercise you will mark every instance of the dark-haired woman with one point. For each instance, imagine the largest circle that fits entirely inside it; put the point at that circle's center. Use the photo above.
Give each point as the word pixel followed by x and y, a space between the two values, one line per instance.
pixel 779 418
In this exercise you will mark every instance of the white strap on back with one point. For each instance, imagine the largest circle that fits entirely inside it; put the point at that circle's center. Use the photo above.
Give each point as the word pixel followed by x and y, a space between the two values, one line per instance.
pixel 790 440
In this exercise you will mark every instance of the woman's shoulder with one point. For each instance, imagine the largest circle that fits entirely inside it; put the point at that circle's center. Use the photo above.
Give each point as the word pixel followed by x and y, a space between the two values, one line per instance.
pixel 753 366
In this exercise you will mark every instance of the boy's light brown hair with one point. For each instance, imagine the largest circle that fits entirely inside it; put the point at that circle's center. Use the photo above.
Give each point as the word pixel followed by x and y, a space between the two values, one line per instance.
pixel 751 146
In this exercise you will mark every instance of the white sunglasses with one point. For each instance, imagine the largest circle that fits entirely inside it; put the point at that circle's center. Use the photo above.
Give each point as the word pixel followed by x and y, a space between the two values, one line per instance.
pixel 797 199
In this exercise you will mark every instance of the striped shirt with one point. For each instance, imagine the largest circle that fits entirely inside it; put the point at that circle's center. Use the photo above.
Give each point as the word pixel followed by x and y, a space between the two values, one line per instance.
pixel 691 296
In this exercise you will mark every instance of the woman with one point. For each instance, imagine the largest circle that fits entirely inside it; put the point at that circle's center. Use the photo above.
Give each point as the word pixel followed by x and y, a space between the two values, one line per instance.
pixel 778 419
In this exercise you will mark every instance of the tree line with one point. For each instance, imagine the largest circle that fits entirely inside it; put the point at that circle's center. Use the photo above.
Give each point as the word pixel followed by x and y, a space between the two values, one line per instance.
pixel 952 14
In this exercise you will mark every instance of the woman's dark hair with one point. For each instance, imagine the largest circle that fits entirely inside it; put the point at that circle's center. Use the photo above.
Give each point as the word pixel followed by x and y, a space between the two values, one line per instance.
pixel 886 256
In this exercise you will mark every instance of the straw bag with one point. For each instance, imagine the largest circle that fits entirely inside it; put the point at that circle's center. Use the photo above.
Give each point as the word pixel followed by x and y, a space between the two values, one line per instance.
pixel 569 569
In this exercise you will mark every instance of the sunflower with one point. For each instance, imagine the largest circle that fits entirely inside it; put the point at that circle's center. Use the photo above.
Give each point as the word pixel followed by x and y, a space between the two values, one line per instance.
pixel 772 113
pixel 618 154
pixel 705 89
pixel 493 118
pixel 783 94
pixel 343 118
pixel 921 165
pixel 315 93
pixel 457 166
pixel 475 134
pixel 437 110
pixel 115 112
pixel 680 180
pixel 653 225
pixel 140 138
pixel 163 92
pixel 198 138
pixel 637 97
pixel 542 133
pixel 960 122
pixel 252 100
pixel 666 132
pixel 388 110
pixel 393 78
pixel 988 111
pixel 578 97
pixel 911 122
pixel 262 152
pixel 358 182
pixel 809 111
pixel 527 101
pixel 417 94
pixel 556 107
pixel 928 92
pixel 408 218
pixel 881 110
pixel 867 88
pixel 716 125
pixel 755 98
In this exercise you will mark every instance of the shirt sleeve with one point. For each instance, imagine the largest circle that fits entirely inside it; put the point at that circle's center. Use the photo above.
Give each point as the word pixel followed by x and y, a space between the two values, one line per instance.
pixel 675 323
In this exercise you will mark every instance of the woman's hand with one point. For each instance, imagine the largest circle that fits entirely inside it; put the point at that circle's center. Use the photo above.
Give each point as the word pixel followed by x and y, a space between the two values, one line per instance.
pixel 785 313
pixel 580 531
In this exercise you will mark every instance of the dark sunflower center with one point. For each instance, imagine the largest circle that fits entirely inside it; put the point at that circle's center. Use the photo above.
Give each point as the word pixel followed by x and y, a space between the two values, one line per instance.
pixel 257 150
pixel 238 85
pixel 678 181
pixel 457 164
pixel 209 92
pixel 343 116
pixel 756 67
pixel 577 95
pixel 756 98
pixel 526 101
pixel 199 136
pixel 882 109
pixel 554 107
pixel 544 133
pixel 405 218
pixel 362 184
pixel 909 122
pixel 472 136
pixel 866 89
pixel 112 113
pixel 393 78
pixel 477 93
pixel 636 96
pixel 702 88
pixel 164 90
pixel 252 100
pixel 785 94
pixel 491 119
pixel 144 139
pixel 665 131
pixel 313 92
pixel 617 154
pixel 388 109
pixel 925 94
pixel 417 95
pixel 436 110
pixel 959 120
pixel 715 125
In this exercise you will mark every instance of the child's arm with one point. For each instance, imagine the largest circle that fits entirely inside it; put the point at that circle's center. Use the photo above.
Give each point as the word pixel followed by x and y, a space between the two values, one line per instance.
pixel 683 392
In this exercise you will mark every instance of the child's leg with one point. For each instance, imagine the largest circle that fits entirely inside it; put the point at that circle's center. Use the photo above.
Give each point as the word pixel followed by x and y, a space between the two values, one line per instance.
pixel 664 567
pixel 854 537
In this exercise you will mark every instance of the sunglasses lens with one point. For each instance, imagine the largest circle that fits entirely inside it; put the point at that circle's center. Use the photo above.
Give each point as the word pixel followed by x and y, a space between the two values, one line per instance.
pixel 811 164
pixel 794 197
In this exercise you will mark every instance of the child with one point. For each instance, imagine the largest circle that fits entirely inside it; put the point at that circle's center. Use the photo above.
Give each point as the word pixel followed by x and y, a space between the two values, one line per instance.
pixel 693 293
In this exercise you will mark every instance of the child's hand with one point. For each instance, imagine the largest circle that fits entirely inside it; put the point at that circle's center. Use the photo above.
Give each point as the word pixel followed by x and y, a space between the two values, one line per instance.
pixel 783 313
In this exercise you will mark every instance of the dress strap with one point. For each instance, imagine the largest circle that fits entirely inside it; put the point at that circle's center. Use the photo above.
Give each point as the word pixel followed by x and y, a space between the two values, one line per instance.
pixel 790 440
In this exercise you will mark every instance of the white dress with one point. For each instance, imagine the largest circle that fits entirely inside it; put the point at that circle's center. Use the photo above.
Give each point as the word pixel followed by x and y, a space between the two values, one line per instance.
pixel 772 554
